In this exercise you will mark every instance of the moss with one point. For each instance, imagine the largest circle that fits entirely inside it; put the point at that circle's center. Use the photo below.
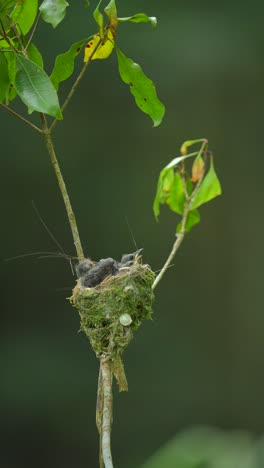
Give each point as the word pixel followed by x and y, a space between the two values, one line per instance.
pixel 100 309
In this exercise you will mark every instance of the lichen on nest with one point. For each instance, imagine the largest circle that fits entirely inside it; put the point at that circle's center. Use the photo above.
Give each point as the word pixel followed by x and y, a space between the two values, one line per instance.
pixel 113 310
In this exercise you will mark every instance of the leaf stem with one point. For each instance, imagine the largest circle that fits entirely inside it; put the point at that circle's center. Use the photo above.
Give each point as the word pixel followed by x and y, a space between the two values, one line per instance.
pixel 71 217
pixel 106 370
pixel 21 118
pixel 33 31
pixel 76 84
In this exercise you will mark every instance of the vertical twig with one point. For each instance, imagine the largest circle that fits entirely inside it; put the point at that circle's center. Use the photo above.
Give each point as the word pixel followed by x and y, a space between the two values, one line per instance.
pixel 99 414
pixel 106 370
pixel 63 189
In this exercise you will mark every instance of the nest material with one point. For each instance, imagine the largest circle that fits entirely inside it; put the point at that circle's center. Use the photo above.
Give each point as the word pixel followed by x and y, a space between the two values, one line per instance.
pixel 114 309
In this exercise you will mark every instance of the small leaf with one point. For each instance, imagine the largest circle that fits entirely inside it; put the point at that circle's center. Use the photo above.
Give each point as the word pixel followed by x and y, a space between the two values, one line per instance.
pixel 111 12
pixel 139 18
pixel 64 64
pixel 209 188
pixel 165 181
pixel 35 88
pixel 193 218
pixel 53 11
pixel 24 14
pixel 4 78
pixel 11 62
pixel 188 143
pixel 197 169
pixel 176 197
pixel 34 55
pixel 141 87
pixel 99 19
pixel 167 174
pixel 103 50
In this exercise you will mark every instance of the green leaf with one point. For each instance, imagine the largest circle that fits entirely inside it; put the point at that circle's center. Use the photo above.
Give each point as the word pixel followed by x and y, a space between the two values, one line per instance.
pixel 193 218
pixel 5 5
pixel 35 88
pixel 24 14
pixel 176 197
pixel 141 87
pixel 209 188
pixel 99 19
pixel 53 11
pixel 11 62
pixel 164 185
pixel 64 64
pixel 34 55
pixel 139 18
pixel 4 78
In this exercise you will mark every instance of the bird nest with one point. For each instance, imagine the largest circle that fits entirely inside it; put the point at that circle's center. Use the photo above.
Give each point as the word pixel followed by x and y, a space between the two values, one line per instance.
pixel 113 310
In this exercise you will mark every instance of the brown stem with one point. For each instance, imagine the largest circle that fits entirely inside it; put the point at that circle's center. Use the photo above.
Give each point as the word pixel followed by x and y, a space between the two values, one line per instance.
pixel 107 411
pixel 21 118
pixel 62 186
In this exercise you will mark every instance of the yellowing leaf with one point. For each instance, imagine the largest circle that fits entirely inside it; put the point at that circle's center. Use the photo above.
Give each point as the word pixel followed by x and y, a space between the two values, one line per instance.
pixel 103 50
pixel 197 169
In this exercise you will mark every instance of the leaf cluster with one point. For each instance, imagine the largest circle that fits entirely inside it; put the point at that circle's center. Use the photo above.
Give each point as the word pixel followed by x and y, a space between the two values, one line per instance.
pixel 22 70
pixel 182 192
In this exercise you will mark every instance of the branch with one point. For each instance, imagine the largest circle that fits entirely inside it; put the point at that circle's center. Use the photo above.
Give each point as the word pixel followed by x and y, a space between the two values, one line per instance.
pixel 21 118
pixel 99 414
pixel 179 238
pixel 106 370
pixel 76 84
pixel 71 217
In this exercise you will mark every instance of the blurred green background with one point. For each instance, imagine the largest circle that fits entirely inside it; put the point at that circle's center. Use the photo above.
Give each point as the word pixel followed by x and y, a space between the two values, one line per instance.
pixel 200 361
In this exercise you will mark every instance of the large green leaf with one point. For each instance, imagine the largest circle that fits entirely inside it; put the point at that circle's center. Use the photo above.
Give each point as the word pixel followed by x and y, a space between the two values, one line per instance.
pixel 209 188
pixel 35 88
pixel 53 11
pixel 139 18
pixel 24 14
pixel 141 87
pixel 64 64
pixel 4 77
pixel 34 55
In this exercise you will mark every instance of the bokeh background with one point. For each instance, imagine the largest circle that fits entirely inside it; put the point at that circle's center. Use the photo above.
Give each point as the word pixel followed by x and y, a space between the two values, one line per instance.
pixel 200 361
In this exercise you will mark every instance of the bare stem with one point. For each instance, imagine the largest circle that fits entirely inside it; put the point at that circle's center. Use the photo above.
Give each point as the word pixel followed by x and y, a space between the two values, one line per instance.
pixel 179 238
pixel 107 411
pixel 21 118
pixel 33 31
pixel 76 84
pixel 62 186
pixel 99 415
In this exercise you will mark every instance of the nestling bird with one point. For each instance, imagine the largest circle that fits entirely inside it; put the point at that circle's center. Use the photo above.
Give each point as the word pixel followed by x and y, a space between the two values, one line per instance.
pixel 91 274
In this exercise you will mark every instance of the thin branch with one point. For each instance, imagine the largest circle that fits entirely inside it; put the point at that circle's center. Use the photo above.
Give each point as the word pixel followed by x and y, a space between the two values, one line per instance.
pixel 99 414
pixel 21 118
pixel 33 31
pixel 107 411
pixel 76 84
pixel 179 238
pixel 71 216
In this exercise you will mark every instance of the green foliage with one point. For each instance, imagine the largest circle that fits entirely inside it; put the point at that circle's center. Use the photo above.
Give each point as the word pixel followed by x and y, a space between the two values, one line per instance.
pixel 24 14
pixel 141 87
pixel 64 64
pixel 4 78
pixel 53 11
pixel 35 88
pixel 182 193
pixel 139 18
pixel 34 55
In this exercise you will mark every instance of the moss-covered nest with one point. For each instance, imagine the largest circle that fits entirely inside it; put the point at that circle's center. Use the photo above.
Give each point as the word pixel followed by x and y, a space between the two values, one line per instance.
pixel 113 310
